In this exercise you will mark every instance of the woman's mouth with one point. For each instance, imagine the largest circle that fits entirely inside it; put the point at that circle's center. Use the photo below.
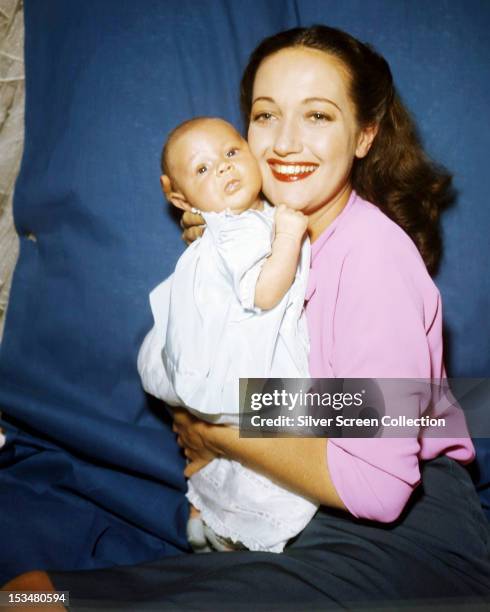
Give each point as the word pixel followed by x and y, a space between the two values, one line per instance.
pixel 291 171
pixel 232 186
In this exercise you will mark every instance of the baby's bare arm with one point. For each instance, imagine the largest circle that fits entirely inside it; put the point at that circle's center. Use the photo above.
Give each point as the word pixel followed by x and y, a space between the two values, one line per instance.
pixel 278 272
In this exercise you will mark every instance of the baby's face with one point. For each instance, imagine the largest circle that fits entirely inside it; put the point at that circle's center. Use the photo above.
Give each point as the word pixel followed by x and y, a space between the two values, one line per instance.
pixel 214 168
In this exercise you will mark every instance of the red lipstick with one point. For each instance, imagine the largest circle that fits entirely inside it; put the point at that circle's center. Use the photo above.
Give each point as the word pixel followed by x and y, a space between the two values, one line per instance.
pixel 289 172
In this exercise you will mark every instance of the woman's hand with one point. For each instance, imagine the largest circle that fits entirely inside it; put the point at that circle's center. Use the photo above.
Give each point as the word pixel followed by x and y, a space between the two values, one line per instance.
pixel 300 464
pixel 193 226
pixel 192 436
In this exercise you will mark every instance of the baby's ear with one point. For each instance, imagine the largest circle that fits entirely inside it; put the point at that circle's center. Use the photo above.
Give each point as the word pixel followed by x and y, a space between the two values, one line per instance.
pixel 175 197
pixel 166 184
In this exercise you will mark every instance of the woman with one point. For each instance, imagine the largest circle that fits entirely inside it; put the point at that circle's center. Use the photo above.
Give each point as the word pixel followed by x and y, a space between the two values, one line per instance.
pixel 329 132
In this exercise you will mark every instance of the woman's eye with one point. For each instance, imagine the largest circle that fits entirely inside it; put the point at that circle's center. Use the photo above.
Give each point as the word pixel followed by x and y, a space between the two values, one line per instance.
pixel 319 117
pixel 262 117
pixel 232 153
pixel 202 170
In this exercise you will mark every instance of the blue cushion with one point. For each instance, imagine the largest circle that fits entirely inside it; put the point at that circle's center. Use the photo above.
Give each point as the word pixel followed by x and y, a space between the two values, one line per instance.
pixel 100 475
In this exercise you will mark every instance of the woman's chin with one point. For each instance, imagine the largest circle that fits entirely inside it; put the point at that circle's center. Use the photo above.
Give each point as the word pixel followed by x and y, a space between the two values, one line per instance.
pixel 294 203
pixel 292 195
pixel 279 196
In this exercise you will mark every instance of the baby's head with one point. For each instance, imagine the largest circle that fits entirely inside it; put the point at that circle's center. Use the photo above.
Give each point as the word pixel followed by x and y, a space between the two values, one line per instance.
pixel 207 165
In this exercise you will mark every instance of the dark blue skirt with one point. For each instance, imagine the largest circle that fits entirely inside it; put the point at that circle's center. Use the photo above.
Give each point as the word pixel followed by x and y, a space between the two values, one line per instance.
pixel 438 551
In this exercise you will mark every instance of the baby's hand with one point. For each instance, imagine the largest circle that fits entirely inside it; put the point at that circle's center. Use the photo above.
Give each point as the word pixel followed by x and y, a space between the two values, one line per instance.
pixel 290 222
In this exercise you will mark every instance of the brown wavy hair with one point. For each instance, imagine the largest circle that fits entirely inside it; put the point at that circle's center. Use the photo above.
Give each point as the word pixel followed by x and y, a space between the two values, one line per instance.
pixel 396 174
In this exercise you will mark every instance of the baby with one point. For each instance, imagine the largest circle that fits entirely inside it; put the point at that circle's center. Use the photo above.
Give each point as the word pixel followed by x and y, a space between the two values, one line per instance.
pixel 233 308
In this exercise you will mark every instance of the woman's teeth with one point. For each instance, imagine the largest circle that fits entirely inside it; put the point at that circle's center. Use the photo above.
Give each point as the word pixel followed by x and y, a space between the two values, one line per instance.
pixel 292 172
pixel 294 169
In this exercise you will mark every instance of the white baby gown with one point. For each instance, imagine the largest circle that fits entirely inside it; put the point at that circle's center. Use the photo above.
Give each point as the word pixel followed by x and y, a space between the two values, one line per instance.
pixel 207 334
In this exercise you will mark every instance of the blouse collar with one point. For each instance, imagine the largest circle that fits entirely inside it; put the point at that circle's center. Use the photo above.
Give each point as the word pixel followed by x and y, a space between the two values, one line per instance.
pixel 317 246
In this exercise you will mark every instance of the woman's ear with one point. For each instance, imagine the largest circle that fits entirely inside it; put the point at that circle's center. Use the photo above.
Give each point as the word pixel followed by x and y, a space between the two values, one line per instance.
pixel 175 197
pixel 366 139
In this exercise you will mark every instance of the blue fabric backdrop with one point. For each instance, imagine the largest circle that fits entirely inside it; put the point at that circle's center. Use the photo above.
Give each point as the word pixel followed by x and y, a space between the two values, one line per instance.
pixel 91 465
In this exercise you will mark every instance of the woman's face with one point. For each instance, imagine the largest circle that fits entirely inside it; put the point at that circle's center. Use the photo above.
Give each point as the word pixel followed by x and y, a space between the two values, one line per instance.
pixel 303 130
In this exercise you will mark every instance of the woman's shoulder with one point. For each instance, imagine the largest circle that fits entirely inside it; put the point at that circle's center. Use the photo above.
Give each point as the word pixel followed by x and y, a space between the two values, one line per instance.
pixel 377 252
pixel 369 224
pixel 370 234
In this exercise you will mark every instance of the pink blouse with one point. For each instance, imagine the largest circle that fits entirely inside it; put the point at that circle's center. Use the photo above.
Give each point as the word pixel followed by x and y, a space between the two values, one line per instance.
pixel 373 311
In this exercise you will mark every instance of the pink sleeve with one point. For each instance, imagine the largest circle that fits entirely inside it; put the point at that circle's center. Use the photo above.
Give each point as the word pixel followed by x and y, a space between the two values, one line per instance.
pixel 385 303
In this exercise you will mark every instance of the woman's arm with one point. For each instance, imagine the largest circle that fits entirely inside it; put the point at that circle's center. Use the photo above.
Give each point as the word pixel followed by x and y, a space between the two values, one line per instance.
pixel 387 324
pixel 296 463
pixel 299 464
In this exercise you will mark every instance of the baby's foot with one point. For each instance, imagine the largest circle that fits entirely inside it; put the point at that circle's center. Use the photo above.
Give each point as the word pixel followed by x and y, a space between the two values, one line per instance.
pixel 217 542
pixel 195 532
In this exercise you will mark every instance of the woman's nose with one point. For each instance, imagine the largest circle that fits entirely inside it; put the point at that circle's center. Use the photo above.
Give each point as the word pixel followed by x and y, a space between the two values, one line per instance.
pixel 288 139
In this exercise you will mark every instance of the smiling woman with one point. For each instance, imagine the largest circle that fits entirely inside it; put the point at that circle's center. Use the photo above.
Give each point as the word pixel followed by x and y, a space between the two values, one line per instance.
pixel 306 137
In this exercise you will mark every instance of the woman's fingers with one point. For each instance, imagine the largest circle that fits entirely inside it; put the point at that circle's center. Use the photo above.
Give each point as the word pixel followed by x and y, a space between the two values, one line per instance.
pixel 181 418
pixel 192 233
pixel 194 466
pixel 193 226
pixel 190 220
pixel 190 436
pixel 184 426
